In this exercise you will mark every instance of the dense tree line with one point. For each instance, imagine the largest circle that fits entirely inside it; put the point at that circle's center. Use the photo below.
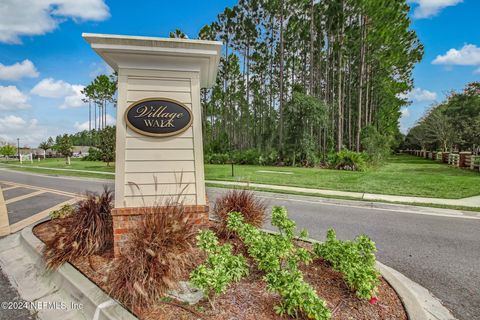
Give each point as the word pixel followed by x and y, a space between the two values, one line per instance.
pixel 302 78
pixel 298 80
pixel 452 125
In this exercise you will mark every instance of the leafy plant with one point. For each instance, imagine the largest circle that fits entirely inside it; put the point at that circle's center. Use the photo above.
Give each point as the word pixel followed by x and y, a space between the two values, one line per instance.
pixel 221 268
pixel 155 255
pixel 8 150
pixel 348 160
pixel 65 211
pixel 278 257
pixel 107 145
pixel 377 146
pixel 94 154
pixel 87 232
pixel 252 208
pixel 355 260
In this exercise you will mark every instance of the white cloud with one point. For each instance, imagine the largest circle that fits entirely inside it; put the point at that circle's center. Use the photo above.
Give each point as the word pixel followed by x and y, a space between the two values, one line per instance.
pixel 85 125
pixel 37 17
pixel 51 88
pixel 405 112
pixel 24 69
pixel 74 100
pixel 13 127
pixel 12 99
pixel 430 8
pixel 468 55
pixel 419 95
pixel 100 68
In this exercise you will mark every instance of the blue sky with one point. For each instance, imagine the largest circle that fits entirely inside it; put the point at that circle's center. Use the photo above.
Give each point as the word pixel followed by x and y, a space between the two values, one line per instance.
pixel 44 62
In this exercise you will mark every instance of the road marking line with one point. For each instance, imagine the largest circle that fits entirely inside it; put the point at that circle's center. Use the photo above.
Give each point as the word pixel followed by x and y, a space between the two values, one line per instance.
pixel 8 188
pixel 39 216
pixel 33 194
pixel 4 223
pixel 70 194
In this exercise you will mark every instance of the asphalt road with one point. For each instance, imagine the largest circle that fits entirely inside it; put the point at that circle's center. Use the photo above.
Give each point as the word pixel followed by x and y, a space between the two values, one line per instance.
pixel 441 253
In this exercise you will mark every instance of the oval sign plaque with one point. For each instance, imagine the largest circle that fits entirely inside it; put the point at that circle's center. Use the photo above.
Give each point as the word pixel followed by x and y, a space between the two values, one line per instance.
pixel 158 117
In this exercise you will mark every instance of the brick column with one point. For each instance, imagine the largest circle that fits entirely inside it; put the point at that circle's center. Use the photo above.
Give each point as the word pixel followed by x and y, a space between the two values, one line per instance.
pixel 445 157
pixel 127 219
pixel 463 157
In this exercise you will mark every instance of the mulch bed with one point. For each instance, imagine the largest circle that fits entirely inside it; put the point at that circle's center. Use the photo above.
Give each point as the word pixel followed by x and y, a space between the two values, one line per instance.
pixel 249 299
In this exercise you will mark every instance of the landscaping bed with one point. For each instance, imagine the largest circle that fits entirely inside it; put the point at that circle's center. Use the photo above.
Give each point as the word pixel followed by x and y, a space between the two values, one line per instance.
pixel 249 297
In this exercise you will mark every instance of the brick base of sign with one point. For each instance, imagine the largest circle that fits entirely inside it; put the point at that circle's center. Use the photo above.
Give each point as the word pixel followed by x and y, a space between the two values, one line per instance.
pixel 127 219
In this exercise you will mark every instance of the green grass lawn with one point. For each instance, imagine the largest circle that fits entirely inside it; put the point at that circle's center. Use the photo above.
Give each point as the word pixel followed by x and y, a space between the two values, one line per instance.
pixel 402 175
pixel 76 164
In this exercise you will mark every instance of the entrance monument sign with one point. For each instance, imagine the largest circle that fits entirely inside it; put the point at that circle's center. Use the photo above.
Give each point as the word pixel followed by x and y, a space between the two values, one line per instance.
pixel 159 122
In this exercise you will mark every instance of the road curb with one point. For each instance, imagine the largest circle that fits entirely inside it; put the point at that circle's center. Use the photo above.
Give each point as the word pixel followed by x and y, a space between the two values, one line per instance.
pixel 97 305
pixel 419 303
pixel 359 196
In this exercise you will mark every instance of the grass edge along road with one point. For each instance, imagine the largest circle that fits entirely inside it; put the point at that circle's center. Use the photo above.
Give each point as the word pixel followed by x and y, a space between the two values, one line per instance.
pixel 402 175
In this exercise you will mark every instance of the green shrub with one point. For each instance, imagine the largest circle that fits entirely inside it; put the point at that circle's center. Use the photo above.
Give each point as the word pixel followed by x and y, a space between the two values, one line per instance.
pixel 93 155
pixel 249 156
pixel 355 260
pixel 63 212
pixel 278 257
pixel 268 158
pixel 377 146
pixel 348 160
pixel 221 268
pixel 217 158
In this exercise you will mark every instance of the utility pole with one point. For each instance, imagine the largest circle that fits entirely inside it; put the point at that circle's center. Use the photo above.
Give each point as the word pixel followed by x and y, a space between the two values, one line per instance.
pixel 18 150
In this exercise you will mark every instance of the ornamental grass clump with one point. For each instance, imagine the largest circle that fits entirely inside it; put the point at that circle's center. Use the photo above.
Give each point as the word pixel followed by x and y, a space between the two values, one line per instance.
pixel 252 209
pixel 86 232
pixel 355 260
pixel 155 257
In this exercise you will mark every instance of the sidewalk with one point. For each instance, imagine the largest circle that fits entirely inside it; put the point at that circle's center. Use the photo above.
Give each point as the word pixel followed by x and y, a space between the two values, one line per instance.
pixel 472 202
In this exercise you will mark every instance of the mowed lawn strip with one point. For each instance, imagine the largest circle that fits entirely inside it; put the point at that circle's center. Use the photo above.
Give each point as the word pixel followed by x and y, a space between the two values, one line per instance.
pixel 401 175
pixel 76 164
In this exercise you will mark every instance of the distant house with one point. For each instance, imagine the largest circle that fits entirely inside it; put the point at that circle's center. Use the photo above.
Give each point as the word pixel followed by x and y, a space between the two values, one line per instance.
pixel 78 152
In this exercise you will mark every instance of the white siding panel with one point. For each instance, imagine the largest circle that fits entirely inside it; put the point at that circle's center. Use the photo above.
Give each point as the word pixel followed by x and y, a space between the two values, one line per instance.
pixel 185 134
pixel 159 189
pixel 162 177
pixel 144 154
pixel 183 97
pixel 156 200
pixel 158 84
pixel 159 143
pixel 159 166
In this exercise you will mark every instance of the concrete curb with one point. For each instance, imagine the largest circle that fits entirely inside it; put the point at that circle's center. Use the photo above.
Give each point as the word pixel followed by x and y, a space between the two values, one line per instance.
pixel 382 206
pixel 97 305
pixel 473 202
pixel 419 303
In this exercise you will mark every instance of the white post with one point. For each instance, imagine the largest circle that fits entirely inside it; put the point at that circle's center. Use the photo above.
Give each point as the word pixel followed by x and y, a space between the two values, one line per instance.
pixel 158 78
